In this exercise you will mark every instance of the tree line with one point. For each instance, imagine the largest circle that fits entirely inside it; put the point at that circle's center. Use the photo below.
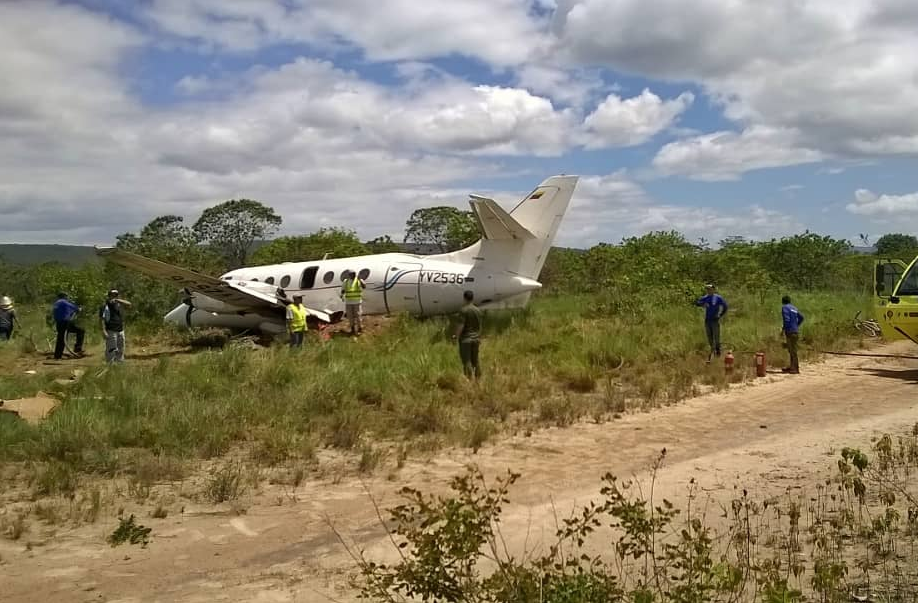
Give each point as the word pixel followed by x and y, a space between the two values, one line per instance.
pixel 661 266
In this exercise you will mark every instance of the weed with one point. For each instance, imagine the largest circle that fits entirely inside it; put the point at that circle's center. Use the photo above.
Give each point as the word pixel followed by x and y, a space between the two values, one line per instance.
pixel 129 532
pixel 478 432
pixel 227 483
pixel 48 512
pixel 346 429
pixel 54 478
pixel 12 524
pixel 159 512
pixel 369 458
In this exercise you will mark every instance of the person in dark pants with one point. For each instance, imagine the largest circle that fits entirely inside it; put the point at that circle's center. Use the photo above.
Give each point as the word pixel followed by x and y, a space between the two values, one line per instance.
pixel 714 309
pixel 8 318
pixel 792 319
pixel 64 313
pixel 468 331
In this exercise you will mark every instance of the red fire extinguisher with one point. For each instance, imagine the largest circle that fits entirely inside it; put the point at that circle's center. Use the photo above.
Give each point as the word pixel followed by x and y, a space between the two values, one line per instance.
pixel 728 362
pixel 760 364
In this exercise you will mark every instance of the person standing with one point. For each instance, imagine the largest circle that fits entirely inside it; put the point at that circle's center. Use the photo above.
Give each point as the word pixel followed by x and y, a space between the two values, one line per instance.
pixel 111 314
pixel 714 309
pixel 352 293
pixel 792 319
pixel 468 332
pixel 8 318
pixel 296 321
pixel 64 313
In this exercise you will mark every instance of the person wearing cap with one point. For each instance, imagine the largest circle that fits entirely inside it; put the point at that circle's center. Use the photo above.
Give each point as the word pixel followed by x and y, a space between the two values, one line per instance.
pixel 714 309
pixel 296 321
pixel 111 315
pixel 64 313
pixel 352 294
pixel 8 318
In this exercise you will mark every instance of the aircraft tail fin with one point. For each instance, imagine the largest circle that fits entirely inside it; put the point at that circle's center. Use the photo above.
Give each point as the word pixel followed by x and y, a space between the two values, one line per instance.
pixel 518 241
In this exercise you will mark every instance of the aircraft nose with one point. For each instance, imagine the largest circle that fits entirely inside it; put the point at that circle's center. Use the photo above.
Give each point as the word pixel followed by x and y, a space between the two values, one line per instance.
pixel 177 316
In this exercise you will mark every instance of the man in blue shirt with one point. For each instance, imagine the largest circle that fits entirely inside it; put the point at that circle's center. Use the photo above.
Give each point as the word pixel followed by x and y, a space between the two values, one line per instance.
pixel 714 309
pixel 792 319
pixel 64 313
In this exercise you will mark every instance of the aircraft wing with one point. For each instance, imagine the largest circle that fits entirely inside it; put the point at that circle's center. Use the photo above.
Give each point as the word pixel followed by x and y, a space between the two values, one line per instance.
pixel 235 293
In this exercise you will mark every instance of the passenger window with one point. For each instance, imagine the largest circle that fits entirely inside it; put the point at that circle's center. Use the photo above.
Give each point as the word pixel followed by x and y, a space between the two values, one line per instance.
pixel 285 281
pixel 270 280
pixel 363 274
pixel 344 276
pixel 309 277
pixel 329 277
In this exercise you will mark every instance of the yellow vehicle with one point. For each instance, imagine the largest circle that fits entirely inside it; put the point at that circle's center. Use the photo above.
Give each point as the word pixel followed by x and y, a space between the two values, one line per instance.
pixel 896 302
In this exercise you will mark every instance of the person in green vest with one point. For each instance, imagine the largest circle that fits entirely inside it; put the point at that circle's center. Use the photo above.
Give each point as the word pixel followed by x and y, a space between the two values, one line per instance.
pixel 296 321
pixel 352 294
pixel 468 332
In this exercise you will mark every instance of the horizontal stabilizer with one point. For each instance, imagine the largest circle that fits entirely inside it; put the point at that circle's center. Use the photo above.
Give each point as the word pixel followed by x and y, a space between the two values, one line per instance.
pixel 494 222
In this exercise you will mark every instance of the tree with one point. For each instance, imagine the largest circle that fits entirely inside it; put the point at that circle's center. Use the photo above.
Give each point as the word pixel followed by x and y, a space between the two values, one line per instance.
pixel 805 260
pixel 897 245
pixel 167 239
pixel 336 242
pixel 233 226
pixel 446 227
pixel 383 244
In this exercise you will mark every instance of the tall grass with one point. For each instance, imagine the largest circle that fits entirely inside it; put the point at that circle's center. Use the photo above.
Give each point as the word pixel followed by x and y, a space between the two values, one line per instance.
pixel 557 361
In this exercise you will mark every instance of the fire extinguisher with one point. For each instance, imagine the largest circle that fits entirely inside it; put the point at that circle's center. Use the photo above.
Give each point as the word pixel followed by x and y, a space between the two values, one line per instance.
pixel 760 364
pixel 728 362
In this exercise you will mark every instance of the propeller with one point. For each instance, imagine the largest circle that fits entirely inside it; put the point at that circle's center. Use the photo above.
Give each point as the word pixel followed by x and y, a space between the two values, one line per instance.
pixel 188 300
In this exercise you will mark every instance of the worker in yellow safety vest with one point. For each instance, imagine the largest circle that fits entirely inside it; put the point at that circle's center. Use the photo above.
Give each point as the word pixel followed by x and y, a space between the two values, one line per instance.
pixel 352 294
pixel 296 321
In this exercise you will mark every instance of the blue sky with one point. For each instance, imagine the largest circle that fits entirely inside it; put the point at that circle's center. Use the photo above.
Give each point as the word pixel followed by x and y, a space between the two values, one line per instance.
pixel 713 118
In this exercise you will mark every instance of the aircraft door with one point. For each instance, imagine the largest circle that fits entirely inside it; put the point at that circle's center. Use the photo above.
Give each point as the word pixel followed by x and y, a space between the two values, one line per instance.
pixel 886 277
pixel 401 288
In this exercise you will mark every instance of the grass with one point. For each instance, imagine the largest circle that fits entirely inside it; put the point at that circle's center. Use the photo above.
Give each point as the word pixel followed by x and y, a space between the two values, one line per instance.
pixel 552 364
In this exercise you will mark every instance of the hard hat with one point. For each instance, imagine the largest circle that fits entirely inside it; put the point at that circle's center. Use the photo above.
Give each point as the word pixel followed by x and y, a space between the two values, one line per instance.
pixel 113 292
pixel 6 303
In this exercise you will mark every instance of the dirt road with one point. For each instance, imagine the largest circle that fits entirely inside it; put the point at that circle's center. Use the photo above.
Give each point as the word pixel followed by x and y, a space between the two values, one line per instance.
pixel 768 437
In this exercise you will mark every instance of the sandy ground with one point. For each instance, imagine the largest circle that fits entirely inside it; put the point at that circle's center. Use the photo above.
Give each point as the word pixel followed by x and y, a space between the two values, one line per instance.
pixel 769 437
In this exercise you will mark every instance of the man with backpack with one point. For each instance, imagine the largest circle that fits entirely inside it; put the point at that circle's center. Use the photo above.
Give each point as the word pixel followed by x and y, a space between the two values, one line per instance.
pixel 111 314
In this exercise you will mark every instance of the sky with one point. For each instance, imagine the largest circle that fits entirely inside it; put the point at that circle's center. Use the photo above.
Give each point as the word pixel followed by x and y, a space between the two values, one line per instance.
pixel 715 118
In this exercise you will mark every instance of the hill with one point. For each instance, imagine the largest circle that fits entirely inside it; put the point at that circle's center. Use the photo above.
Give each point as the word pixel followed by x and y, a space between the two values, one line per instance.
pixel 29 255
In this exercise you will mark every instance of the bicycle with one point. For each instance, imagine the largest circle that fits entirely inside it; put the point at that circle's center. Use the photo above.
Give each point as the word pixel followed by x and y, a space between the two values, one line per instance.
pixel 869 327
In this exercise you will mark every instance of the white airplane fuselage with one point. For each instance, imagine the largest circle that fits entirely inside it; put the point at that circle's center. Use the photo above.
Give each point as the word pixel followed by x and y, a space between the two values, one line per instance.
pixel 395 283
pixel 500 269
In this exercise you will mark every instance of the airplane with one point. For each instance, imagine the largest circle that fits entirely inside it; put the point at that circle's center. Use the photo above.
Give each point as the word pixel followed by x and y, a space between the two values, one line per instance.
pixel 501 269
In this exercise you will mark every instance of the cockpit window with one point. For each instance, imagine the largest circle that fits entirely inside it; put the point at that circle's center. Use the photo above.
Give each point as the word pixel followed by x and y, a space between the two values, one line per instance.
pixel 909 284
pixel 270 280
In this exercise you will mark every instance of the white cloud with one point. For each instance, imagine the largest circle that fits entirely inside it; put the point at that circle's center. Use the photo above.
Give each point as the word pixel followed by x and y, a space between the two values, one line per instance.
pixel 610 207
pixel 632 121
pixel 500 32
pixel 83 160
pixel 727 155
pixel 840 74
pixel 868 203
